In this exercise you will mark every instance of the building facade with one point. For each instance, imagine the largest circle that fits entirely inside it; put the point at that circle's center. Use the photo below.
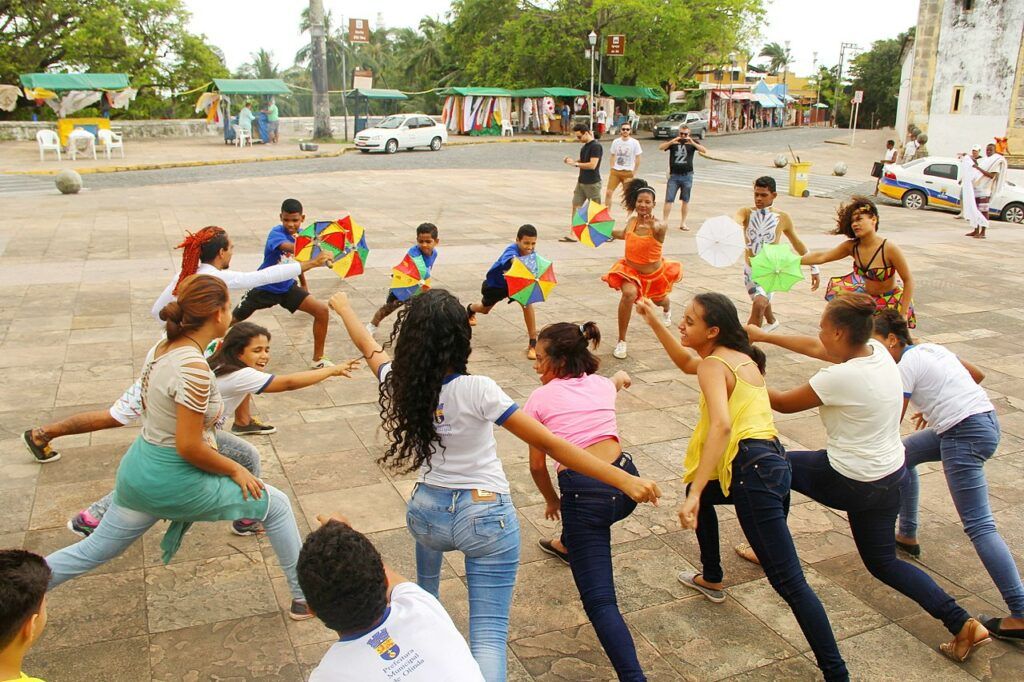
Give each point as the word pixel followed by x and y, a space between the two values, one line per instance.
pixel 962 80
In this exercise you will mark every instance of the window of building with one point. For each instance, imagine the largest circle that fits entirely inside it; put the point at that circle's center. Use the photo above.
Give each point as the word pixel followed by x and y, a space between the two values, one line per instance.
pixel 968 5
pixel 958 99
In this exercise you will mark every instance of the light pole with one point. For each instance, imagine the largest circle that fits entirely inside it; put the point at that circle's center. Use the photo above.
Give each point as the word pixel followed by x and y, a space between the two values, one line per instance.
pixel 592 39
pixel 839 79
pixel 817 83
pixel 785 86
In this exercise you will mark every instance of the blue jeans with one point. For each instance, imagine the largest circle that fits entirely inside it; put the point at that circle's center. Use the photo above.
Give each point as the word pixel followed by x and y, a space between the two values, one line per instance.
pixel 228 444
pixel 487 533
pixel 679 184
pixel 760 492
pixel 589 508
pixel 963 450
pixel 121 527
pixel 871 508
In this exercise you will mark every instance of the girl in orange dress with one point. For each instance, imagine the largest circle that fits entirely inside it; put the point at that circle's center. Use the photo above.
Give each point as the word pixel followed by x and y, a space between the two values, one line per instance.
pixel 643 273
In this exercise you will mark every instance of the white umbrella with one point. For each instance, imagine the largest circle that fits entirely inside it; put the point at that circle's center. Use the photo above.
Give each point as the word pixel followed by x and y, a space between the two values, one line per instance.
pixel 720 241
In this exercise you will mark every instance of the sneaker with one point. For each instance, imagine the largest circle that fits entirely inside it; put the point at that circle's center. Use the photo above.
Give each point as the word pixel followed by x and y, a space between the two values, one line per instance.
pixel 245 527
pixel 299 610
pixel 254 428
pixel 688 578
pixel 82 524
pixel 371 327
pixel 769 327
pixel 668 317
pixel 620 350
pixel 44 454
pixel 321 363
pixel 549 547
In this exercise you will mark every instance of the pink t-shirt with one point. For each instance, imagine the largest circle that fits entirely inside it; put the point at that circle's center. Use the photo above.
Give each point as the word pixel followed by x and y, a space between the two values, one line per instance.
pixel 580 409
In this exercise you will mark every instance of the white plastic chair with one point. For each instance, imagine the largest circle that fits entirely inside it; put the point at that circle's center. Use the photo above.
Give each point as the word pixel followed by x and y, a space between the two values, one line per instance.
pixel 48 141
pixel 77 136
pixel 242 135
pixel 110 141
pixel 506 129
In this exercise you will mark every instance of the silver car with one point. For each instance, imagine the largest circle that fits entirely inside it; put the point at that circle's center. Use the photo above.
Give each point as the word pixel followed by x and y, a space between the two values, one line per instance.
pixel 669 128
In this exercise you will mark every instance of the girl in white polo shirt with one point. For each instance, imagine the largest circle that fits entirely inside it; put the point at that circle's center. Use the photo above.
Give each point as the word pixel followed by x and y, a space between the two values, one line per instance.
pixel 861 472
pixel 963 433
pixel 440 421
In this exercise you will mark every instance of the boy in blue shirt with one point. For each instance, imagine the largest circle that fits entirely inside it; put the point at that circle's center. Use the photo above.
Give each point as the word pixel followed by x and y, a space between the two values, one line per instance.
pixel 290 295
pixel 495 289
pixel 426 248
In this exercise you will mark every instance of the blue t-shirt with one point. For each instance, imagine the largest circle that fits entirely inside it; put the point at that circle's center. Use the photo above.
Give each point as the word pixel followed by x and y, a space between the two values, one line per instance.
pixel 428 260
pixel 272 256
pixel 496 275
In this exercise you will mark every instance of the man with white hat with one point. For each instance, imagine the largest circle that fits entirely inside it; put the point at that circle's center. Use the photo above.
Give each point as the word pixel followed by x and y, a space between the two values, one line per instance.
pixel 991 170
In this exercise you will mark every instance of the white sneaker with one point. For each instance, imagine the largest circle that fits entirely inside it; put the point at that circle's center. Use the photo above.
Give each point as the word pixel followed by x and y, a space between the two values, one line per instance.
pixel 321 363
pixel 668 317
pixel 371 327
pixel 768 328
pixel 620 350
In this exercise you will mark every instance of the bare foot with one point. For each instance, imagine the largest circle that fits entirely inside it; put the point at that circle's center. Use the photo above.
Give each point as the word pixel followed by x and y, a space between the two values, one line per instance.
pixel 557 544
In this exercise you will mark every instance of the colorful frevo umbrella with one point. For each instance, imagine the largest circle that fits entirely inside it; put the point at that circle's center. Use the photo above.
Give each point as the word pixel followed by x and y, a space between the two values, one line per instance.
pixel 776 268
pixel 410 278
pixel 592 224
pixel 344 239
pixel 530 279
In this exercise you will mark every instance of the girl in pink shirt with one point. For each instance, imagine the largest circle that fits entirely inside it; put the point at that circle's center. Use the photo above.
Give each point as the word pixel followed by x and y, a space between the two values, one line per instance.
pixel 578 404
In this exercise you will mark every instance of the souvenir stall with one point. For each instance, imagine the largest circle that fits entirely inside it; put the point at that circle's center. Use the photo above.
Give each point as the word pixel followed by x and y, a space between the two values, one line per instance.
pixel 361 99
pixel 629 95
pixel 539 109
pixel 216 103
pixel 769 110
pixel 476 111
pixel 67 93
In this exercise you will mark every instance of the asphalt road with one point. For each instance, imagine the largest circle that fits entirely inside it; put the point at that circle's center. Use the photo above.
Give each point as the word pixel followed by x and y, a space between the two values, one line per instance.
pixel 520 156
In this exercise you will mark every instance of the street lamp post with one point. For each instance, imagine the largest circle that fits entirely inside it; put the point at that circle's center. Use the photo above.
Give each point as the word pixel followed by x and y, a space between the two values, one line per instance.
pixel 592 39
pixel 817 83
pixel 785 87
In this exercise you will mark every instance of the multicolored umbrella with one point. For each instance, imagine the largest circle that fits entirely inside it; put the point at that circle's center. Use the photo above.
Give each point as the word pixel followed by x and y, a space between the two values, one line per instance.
pixel 530 279
pixel 592 224
pixel 323 233
pixel 720 241
pixel 410 278
pixel 352 259
pixel 776 268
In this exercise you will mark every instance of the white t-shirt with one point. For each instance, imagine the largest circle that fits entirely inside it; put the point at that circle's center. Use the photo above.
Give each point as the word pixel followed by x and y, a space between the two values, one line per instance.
pixel 602 116
pixel 235 386
pixel 236 281
pixel 890 154
pixel 862 400
pixel 416 642
pixel 624 154
pixel 467 410
pixel 940 386
pixel 909 150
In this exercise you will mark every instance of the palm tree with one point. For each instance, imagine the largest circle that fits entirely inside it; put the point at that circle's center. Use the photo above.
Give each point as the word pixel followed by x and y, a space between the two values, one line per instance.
pixel 778 57
pixel 261 66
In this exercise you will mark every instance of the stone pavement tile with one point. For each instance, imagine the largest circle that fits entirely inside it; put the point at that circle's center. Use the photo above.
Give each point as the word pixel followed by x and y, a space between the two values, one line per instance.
pixel 47 541
pixel 705 641
pixel 310 655
pixel 650 426
pixel 17 510
pixel 55 504
pixel 253 648
pixel 818 532
pixel 545 599
pixel 27 398
pixel 806 429
pixel 670 453
pixel 319 472
pixel 576 654
pixel 204 540
pixel 796 669
pixel 80 464
pixel 18 468
pixel 645 573
pixel 848 615
pixel 94 608
pixel 370 508
pixel 299 632
pixel 665 393
pixel 318 438
pixel 118 660
pixel 951 554
pixel 341 413
pixel 871 656
pixel 207 591
pixel 737 570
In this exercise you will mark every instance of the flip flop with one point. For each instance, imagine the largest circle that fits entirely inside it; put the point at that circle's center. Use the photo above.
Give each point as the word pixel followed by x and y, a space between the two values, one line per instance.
pixel 688 578
pixel 994 627
pixel 568 240
pixel 745 551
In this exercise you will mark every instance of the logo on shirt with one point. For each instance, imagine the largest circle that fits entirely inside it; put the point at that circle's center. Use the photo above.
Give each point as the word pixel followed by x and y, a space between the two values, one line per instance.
pixel 439 413
pixel 384 646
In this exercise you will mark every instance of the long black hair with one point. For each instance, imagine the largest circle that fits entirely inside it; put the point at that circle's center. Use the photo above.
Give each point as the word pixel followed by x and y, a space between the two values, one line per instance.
pixel 719 311
pixel 225 358
pixel 567 346
pixel 431 338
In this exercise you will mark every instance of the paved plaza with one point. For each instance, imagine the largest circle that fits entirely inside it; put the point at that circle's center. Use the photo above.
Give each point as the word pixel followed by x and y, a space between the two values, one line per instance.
pixel 78 275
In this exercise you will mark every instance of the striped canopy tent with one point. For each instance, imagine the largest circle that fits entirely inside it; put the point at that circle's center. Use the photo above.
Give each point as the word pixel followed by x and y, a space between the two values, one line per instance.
pixel 476 110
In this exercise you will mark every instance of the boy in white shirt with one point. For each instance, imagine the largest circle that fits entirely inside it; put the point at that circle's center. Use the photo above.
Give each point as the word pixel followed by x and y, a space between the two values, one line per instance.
pixel 388 627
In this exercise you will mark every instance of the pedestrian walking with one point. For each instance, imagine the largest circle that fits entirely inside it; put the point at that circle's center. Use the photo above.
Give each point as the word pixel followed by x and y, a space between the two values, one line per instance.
pixel 988 180
pixel 588 184
pixel 625 162
pixel 878 169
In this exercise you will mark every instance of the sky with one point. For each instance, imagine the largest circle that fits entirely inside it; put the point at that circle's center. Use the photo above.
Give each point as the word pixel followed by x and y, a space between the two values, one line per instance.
pixel 810 27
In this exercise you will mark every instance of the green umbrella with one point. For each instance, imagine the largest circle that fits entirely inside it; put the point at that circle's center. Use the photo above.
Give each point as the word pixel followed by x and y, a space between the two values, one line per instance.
pixel 776 268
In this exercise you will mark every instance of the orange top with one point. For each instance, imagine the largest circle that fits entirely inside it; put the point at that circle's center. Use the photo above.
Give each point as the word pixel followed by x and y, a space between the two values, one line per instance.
pixel 642 249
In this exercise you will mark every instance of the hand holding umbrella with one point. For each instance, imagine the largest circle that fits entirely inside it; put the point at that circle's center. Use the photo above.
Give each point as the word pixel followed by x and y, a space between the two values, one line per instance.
pixel 410 278
pixel 592 224
pixel 530 279
pixel 776 268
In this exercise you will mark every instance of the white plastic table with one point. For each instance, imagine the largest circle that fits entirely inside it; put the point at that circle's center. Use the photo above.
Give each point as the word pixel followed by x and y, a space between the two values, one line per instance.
pixel 80 138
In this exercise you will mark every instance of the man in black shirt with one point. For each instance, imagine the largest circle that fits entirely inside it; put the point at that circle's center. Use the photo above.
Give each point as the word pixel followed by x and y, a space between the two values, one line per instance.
pixel 681 151
pixel 588 186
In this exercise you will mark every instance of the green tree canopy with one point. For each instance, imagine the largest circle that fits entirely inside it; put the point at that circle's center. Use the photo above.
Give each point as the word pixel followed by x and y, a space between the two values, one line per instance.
pixel 877 73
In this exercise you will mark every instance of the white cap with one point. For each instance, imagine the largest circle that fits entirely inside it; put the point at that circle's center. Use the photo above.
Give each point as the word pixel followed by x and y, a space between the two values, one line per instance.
pixel 976 148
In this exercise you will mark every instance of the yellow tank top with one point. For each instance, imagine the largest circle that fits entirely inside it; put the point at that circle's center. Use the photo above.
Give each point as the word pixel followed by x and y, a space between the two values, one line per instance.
pixel 751 414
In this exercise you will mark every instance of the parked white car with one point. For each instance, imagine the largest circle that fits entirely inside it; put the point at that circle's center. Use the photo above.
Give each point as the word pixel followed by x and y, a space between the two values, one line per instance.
pixel 402 131
pixel 935 181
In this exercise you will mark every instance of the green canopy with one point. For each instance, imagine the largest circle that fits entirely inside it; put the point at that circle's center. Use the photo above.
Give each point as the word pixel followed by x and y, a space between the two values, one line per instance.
pixel 632 92
pixel 251 86
pixel 376 93
pixel 549 92
pixel 62 82
pixel 478 92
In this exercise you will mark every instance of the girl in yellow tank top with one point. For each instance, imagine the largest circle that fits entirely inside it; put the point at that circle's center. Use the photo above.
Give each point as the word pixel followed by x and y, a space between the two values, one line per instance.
pixel 734 457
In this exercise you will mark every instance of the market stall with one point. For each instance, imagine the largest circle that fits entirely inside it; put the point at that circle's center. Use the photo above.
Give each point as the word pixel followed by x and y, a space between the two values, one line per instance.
pixel 539 109
pixel 67 93
pixel 363 97
pixel 631 94
pixel 216 102
pixel 476 111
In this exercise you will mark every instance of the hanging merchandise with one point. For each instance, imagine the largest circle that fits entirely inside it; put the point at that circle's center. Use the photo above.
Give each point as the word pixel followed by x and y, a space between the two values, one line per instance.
pixel 121 98
pixel 9 97
pixel 76 100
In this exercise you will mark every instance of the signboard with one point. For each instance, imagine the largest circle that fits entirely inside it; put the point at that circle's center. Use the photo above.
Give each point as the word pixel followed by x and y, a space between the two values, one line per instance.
pixel 615 46
pixel 362 78
pixel 358 31
pixel 858 97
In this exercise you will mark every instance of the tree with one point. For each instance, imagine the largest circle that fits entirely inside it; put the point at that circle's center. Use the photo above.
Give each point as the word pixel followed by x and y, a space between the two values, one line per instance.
pixel 261 66
pixel 778 57
pixel 147 39
pixel 877 73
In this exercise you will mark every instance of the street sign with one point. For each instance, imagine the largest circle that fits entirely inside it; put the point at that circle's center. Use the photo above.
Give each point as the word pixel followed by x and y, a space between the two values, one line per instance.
pixel 358 31
pixel 362 78
pixel 615 46
pixel 858 97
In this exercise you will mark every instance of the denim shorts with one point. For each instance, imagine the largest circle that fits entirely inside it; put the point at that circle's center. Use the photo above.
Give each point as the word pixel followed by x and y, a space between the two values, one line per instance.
pixel 679 184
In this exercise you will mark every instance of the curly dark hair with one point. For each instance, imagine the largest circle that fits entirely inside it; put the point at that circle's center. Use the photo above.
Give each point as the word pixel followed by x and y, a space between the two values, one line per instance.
pixel 431 339
pixel 567 346
pixel 225 358
pixel 846 212
pixel 632 192
pixel 342 577
pixel 720 311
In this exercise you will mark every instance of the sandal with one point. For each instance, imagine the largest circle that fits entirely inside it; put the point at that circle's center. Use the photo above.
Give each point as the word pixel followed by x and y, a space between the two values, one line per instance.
pixel 949 649
pixel 689 578
pixel 995 628
pixel 44 454
pixel 747 552
pixel 912 550
pixel 568 240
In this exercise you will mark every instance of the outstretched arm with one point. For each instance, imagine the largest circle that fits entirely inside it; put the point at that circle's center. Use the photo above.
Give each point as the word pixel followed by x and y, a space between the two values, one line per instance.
pixel 297 380
pixel 372 351
pixel 838 253
pixel 810 346
pixel 683 358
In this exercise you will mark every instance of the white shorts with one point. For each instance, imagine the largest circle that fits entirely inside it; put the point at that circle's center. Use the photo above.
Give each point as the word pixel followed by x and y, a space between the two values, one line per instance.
pixel 753 288
pixel 128 408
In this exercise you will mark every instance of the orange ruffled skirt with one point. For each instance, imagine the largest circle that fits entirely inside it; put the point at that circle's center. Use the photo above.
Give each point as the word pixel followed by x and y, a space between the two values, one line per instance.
pixel 655 286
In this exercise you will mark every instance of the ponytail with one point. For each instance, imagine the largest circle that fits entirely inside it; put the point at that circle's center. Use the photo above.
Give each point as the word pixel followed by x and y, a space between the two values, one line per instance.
pixel 200 297
pixel 890 321
pixel 719 311
pixel 567 346
pixel 197 248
